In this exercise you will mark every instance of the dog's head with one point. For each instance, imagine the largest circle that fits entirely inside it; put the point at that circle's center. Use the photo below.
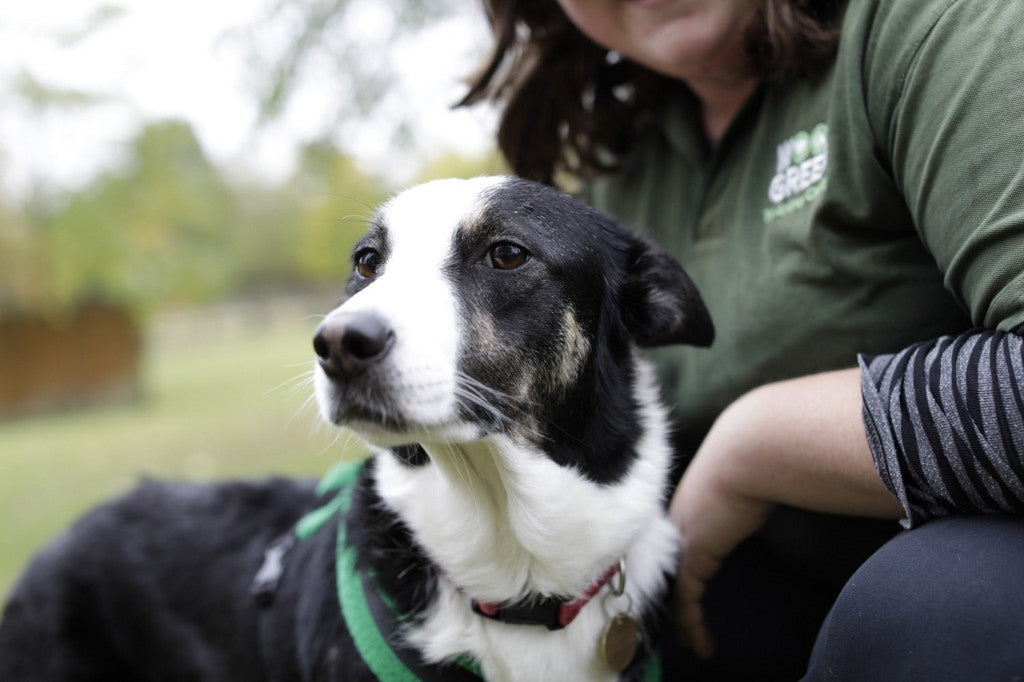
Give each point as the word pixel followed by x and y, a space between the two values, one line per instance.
pixel 495 305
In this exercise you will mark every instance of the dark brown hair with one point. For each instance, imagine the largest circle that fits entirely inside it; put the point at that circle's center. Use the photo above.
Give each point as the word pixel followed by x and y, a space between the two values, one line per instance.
pixel 570 106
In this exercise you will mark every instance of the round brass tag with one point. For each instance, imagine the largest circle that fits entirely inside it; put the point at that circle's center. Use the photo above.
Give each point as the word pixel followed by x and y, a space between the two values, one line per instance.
pixel 619 642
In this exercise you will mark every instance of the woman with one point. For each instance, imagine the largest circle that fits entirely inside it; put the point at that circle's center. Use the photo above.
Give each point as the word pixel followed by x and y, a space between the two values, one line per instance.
pixel 845 183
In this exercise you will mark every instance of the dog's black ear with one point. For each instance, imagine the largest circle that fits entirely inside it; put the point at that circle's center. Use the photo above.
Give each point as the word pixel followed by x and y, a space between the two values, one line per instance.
pixel 661 304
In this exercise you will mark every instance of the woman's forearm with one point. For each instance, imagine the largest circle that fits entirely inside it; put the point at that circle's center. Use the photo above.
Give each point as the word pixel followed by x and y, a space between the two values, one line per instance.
pixel 799 442
pixel 802 442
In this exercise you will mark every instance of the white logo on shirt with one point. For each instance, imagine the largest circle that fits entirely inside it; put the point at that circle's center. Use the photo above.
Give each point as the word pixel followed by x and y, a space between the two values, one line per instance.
pixel 801 165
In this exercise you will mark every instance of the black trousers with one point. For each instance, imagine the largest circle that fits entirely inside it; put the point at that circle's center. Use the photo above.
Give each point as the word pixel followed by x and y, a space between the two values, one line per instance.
pixel 944 601
pixel 768 601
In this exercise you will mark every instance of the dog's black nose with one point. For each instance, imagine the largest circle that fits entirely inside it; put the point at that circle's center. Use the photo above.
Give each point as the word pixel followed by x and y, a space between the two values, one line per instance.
pixel 344 346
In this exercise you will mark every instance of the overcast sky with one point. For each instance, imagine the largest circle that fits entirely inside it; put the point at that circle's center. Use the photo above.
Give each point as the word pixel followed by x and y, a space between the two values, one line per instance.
pixel 157 60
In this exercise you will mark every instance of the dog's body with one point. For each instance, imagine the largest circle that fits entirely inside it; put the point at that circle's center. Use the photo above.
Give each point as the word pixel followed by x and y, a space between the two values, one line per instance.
pixel 485 350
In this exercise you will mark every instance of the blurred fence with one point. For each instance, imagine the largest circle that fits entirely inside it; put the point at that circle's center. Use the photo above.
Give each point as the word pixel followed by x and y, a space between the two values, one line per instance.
pixel 86 357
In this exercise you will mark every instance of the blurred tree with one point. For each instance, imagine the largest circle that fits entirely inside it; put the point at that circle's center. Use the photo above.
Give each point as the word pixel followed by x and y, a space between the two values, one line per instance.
pixel 26 96
pixel 41 96
pixel 23 269
pixel 261 243
pixel 152 230
pixel 349 53
pixel 167 226
pixel 452 165
pixel 301 232
pixel 298 36
pixel 99 17
pixel 336 200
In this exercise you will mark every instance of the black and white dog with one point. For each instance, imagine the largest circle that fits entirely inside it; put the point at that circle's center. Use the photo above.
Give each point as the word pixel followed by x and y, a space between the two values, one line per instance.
pixel 511 523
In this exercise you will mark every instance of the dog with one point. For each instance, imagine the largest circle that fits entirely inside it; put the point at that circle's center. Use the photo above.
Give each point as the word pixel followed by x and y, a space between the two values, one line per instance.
pixel 509 524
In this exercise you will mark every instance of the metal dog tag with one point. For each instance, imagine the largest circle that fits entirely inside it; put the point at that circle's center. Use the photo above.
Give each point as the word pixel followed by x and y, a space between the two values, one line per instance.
pixel 619 642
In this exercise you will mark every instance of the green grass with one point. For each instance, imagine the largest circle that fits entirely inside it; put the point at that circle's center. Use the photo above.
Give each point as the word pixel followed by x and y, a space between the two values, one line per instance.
pixel 215 406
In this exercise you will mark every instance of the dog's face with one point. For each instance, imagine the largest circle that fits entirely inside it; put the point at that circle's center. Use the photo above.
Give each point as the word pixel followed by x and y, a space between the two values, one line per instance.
pixel 493 305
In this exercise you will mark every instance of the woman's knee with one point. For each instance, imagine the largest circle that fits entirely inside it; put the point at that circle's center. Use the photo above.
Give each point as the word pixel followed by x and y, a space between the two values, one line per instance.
pixel 943 601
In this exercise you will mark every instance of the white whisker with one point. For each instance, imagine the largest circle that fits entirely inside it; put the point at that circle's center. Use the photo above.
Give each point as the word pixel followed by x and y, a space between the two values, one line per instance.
pixel 298 381
pixel 304 409
pixel 476 394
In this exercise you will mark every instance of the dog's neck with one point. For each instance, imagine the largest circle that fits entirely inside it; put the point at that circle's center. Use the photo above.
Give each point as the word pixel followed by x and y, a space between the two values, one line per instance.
pixel 504 523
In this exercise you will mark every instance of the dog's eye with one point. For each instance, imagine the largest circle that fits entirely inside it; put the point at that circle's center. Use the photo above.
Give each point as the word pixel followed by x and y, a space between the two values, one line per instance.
pixel 507 256
pixel 367 262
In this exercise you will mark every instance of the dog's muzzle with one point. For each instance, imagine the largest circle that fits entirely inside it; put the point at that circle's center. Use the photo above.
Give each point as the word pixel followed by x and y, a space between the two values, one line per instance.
pixel 345 345
pixel 367 380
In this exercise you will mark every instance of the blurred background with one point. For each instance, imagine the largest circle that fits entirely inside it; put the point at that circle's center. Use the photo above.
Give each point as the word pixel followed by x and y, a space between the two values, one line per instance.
pixel 180 184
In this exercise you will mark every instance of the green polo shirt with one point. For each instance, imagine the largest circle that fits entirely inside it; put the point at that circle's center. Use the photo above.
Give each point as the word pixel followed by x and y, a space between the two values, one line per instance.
pixel 879 204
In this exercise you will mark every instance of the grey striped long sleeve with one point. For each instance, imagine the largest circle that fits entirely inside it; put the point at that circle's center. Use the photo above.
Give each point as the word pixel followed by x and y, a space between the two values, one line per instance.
pixel 945 422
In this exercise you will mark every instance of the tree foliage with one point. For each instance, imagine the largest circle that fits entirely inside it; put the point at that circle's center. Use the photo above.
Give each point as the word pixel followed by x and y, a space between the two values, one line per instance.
pixel 156 229
pixel 169 225
pixel 341 40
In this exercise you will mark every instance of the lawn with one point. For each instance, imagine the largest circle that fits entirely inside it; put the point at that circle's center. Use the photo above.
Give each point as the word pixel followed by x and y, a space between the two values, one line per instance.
pixel 232 401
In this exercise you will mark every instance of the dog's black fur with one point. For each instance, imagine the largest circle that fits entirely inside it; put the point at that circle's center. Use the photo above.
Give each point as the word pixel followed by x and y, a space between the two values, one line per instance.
pixel 157 584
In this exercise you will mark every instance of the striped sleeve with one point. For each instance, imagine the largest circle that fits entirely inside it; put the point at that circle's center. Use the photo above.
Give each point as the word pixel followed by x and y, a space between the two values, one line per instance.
pixel 945 422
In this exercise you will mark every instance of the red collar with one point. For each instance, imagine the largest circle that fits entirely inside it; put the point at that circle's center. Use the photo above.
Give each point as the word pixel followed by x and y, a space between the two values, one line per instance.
pixel 551 612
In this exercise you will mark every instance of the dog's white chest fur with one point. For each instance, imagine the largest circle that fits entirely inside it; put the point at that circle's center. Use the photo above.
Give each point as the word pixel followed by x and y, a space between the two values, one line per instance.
pixel 504 522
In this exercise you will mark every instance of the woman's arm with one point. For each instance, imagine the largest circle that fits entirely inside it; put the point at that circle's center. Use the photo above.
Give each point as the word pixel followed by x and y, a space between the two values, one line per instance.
pixel 945 429
pixel 799 442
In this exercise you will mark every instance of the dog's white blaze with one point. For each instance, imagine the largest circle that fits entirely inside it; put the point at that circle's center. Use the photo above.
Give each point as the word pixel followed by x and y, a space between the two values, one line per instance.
pixel 503 521
pixel 416 299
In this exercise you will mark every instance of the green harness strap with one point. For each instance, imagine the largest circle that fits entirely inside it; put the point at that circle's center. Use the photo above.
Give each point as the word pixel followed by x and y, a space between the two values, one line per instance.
pixel 374 649
pixel 353 597
pixel 373 646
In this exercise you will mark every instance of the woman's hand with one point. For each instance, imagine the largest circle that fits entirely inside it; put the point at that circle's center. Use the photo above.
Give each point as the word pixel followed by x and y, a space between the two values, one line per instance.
pixel 799 442
pixel 713 519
